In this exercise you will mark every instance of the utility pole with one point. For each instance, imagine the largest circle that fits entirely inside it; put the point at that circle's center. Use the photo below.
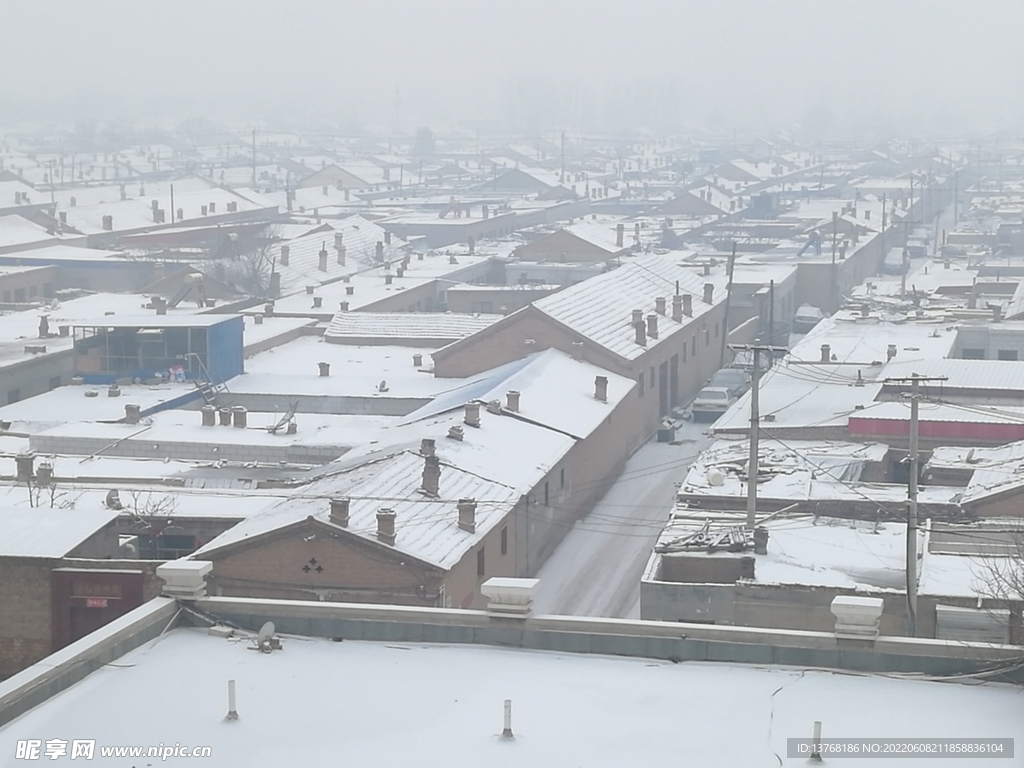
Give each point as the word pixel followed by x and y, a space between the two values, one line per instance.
pixel 728 299
pixel 884 246
pixel 903 273
pixel 755 424
pixel 563 158
pixel 254 158
pixel 771 312
pixel 172 203
pixel 912 464
pixel 835 281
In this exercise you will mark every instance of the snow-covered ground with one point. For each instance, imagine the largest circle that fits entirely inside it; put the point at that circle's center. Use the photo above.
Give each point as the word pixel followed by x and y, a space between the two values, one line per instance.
pixel 596 569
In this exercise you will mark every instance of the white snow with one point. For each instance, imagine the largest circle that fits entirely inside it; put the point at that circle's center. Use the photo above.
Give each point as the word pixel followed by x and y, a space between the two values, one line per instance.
pixel 356 703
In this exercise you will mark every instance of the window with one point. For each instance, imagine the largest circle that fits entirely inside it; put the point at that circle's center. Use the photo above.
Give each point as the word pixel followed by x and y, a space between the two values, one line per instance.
pixel 1007 354
pixel 7 297
pixel 54 382
pixel 19 295
pixel 693 345
pixel 716 330
pixel 970 353
pixel 562 477
pixel 13 396
pixel 481 568
pixel 650 382
pixel 547 497
pixel 640 384
pixel 504 540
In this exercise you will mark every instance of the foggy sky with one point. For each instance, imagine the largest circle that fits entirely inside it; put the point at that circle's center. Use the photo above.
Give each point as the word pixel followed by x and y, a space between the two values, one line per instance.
pixel 932 66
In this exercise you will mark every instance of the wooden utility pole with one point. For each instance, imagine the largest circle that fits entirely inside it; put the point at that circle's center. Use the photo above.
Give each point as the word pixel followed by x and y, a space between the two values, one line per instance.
pixel 912 464
pixel 254 158
pixel 755 423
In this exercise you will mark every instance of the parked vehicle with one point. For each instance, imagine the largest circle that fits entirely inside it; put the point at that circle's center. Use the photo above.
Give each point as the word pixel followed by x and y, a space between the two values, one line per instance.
pixel 736 380
pixel 712 402
pixel 916 248
pixel 806 318
pixel 894 263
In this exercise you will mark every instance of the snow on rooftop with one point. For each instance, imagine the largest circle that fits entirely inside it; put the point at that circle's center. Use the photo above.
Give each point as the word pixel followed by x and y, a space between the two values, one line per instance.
pixel 443 326
pixel 292 368
pixel 45 532
pixel 435 705
pixel 601 308
pixel 16 230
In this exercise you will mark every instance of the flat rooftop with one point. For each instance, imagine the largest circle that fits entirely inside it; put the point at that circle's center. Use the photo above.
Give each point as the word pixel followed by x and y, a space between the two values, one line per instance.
pixel 408 703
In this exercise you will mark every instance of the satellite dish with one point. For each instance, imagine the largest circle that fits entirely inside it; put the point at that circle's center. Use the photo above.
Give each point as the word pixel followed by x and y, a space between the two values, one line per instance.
pixel 265 637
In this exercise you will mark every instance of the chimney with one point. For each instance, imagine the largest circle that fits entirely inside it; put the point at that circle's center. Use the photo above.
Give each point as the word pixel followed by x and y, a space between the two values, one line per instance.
pixel 659 305
pixel 23 463
pixel 74 202
pixel 388 278
pixel 131 413
pixel 124 193
pixel 380 251
pixel 323 260
pixel 641 334
pixel 636 230
pixel 239 416
pixel 431 475
pixel 709 293
pixel 108 223
pixel 707 268
pixel 760 540
pixel 350 290
pixel 638 316
pixel 325 369
pixel 268 309
pixel 577 350
pixel 386 525
pixel 324 189
pixel 467 515
pixel 652 325
pixel 310 290
pixel 339 248
pixel 387 238
pixel 826 353
pixel 485 211
pixel 213 207
pixel 472 245
pixel 472 414
pixel 209 415
pixel 286 252
pixel 257 319
pixel 601 388
pixel 44 475
pixel 181 214
pixel 512 400
pixel 339 511
pixel 275 283
pixel 456 433
pixel 417 360
pixel 620 230
pixel 224 415
pixel 427 446
pixel 204 210
pixel 160 304
pixel 677 308
pixel 890 352
pixel 318 302
pixel 997 313
pixel 344 306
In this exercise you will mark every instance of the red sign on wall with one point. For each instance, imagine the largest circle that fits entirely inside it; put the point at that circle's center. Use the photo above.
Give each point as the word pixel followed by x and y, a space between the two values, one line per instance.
pixel 95 602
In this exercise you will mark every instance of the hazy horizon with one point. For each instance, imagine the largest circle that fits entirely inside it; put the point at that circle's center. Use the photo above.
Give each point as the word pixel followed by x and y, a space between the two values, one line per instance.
pixel 823 69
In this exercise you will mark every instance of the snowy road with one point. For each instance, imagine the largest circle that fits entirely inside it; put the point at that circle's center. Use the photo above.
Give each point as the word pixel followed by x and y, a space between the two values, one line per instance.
pixel 596 569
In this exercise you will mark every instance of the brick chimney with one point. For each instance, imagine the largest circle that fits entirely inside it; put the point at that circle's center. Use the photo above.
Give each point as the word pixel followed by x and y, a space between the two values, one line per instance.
pixel 431 475
pixel 467 515
pixel 472 414
pixel 638 316
pixel 826 353
pixel 323 259
pixel 379 251
pixel 339 247
pixel 688 305
pixel 709 293
pixel 285 254
pixel 386 525
pixel 652 325
pixel 387 238
pixel 641 333
pixel 512 400
pixel 601 388
pixel 677 308
pixel 325 369
pixel 620 230
pixel 659 305
pixel 427 446
pixel 339 511
pixel 131 413
pixel 890 352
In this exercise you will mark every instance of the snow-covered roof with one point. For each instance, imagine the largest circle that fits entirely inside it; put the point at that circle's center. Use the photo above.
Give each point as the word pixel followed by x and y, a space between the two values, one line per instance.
pixel 601 308
pixel 46 532
pixel 436 706
pixel 439 326
pixel 16 230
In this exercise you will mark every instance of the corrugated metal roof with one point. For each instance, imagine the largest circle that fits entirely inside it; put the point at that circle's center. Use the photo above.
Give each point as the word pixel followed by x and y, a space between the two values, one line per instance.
pixel 601 308
pixel 445 326
pixel 961 374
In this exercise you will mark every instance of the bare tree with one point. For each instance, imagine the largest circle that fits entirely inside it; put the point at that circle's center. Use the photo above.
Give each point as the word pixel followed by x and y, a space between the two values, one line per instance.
pixel 249 263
